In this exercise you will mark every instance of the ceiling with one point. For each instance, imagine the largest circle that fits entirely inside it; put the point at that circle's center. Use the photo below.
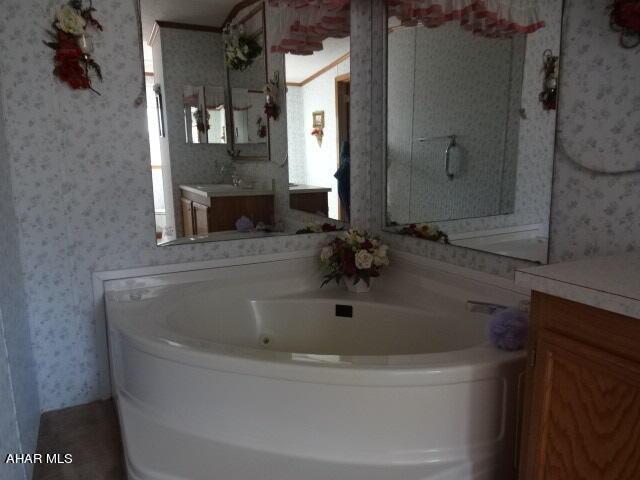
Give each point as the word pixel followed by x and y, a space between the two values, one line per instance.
pixel 301 67
pixel 211 13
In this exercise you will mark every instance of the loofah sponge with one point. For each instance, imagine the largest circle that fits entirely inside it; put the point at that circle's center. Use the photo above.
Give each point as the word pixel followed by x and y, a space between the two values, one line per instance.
pixel 244 224
pixel 508 329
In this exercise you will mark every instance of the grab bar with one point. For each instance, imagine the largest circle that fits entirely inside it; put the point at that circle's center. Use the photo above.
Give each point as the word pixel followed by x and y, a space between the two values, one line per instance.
pixel 447 157
pixel 431 139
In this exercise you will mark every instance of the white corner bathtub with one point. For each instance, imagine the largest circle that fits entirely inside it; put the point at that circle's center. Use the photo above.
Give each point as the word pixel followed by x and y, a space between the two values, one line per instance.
pixel 254 373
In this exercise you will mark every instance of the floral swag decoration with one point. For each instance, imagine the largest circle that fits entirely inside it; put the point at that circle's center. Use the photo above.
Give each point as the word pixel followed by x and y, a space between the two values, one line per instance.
pixel 240 49
pixel 356 256
pixel 318 132
pixel 73 63
pixel 271 92
pixel 625 18
pixel 424 232
pixel 320 228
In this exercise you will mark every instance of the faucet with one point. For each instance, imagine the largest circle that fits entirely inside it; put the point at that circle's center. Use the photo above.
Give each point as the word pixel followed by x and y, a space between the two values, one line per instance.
pixel 232 172
pixel 236 180
pixel 491 308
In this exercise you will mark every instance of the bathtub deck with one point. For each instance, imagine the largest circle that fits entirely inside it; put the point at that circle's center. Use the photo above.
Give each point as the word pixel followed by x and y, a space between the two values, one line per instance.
pixel 91 434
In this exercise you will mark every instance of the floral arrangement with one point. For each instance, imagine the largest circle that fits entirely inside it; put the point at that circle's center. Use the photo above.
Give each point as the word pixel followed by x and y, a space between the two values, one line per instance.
pixel 240 50
pixel 625 18
pixel 72 61
pixel 425 232
pixel 319 228
pixel 357 256
pixel 318 132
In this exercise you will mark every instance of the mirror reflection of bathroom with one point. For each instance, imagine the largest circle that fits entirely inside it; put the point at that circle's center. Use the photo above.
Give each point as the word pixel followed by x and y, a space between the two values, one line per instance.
pixel 470 144
pixel 205 115
pixel 217 119
pixel 318 85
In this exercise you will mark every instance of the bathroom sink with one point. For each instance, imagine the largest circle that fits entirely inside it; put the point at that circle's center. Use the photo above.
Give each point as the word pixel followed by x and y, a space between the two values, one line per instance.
pixel 225 190
pixel 215 187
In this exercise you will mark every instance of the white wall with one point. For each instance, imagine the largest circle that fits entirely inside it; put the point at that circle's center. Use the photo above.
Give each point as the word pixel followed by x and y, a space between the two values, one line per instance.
pixel 295 135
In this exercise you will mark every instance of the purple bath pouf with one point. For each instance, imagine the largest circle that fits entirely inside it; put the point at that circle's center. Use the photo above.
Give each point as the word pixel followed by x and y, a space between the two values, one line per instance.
pixel 508 328
pixel 244 224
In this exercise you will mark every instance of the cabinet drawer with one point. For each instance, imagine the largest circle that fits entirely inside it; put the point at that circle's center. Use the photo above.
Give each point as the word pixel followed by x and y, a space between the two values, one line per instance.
pixel 605 330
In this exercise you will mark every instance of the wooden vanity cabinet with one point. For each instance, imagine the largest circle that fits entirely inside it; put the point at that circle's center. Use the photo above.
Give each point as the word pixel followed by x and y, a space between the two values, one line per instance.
pixel 314 202
pixel 582 406
pixel 202 215
pixel 187 216
pixel 201 221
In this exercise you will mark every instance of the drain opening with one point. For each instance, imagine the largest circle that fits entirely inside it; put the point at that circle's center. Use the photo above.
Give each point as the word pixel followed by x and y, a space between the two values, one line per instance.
pixel 265 340
pixel 344 311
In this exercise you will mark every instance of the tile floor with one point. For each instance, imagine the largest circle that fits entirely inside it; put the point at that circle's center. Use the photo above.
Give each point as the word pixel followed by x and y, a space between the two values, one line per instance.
pixel 90 433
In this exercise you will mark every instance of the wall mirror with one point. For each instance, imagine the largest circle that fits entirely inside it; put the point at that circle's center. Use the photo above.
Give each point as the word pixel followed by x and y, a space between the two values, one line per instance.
pixel 204 114
pixel 227 127
pixel 470 132
pixel 246 57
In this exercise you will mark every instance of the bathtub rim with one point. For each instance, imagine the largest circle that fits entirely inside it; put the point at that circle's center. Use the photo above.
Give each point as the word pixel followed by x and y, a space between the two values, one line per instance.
pixel 108 280
pixel 471 364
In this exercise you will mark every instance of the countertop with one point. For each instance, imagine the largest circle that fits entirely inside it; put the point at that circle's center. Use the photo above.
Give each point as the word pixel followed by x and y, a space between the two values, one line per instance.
pixel 222 190
pixel 301 188
pixel 611 283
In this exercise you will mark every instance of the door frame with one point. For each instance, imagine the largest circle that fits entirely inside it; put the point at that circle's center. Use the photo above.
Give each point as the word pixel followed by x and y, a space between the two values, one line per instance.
pixel 341 80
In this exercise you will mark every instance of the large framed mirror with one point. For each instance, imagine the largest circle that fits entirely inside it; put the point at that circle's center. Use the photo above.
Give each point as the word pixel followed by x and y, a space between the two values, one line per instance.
pixel 231 108
pixel 470 132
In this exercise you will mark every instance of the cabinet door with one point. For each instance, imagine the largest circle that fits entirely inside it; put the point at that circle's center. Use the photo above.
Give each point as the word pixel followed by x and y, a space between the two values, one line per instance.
pixel 584 421
pixel 310 202
pixel 225 211
pixel 200 219
pixel 187 216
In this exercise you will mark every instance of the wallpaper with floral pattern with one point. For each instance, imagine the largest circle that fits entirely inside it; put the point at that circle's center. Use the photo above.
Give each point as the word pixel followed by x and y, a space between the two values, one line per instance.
pixel 9 432
pixel 19 399
pixel 82 190
pixel 594 213
pixel 601 92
